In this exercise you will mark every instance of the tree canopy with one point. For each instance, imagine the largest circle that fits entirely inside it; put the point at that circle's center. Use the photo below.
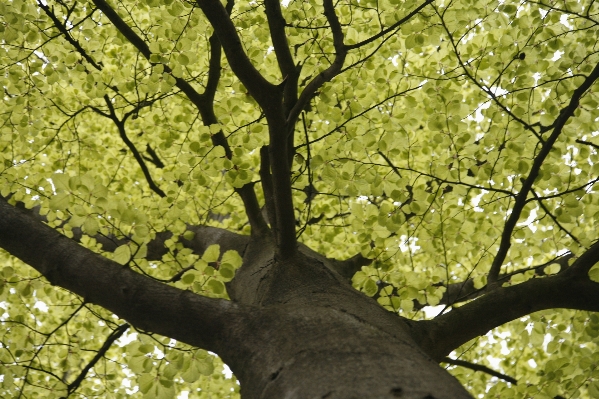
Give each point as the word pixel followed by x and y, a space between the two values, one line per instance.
pixel 436 153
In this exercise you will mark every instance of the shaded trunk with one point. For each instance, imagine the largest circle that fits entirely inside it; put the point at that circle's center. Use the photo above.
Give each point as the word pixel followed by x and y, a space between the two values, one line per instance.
pixel 312 335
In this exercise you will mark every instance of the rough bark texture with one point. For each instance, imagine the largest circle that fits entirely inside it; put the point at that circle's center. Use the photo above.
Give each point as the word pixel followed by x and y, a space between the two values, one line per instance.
pixel 312 334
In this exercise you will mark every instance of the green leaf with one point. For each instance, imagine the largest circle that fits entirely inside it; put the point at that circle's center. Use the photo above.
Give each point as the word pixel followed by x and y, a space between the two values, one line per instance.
pixel 205 366
pixel 370 287
pixel 91 226
pixel 138 364
pixel 128 216
pixel 122 254
pixel 216 286
pixel 232 258
pixel 552 269
pixel 593 389
pixel 192 374
pixel 226 270
pixel 146 382
pixel 188 235
pixel 183 59
pixel 145 348
pixel 60 201
pixel 407 305
pixel 141 231
pixel 211 254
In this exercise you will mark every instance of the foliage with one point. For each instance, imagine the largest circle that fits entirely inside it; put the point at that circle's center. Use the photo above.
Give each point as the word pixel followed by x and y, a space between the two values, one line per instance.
pixel 424 153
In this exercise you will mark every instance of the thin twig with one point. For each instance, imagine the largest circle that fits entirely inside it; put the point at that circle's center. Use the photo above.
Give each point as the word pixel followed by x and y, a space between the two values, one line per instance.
pixel 478 367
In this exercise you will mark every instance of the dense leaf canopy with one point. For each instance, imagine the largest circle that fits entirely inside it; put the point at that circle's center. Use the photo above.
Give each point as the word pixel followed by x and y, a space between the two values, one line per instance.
pixel 448 141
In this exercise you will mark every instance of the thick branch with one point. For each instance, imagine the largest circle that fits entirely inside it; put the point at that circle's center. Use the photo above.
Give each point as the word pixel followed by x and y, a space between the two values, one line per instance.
pixel 259 88
pixel 348 267
pixel 214 68
pixel 280 171
pixel 142 301
pixel 203 237
pixel 278 198
pixel 266 179
pixel 465 290
pixel 281 125
pixel 445 333
pixel 558 126
pixel 290 73
pixel 587 260
pixel 252 209
pixel 276 24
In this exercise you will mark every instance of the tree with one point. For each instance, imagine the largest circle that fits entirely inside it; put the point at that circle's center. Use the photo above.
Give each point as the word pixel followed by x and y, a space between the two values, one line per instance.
pixel 292 186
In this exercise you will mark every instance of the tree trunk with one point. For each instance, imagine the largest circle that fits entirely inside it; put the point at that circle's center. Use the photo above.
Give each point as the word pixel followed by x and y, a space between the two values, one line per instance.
pixel 312 335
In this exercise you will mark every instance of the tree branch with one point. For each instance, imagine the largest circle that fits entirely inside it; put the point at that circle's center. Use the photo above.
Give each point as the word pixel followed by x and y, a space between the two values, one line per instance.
pixel 595 146
pixel 196 98
pixel 259 88
pixel 203 237
pixel 116 334
pixel 203 102
pixel 397 171
pixel 120 124
pixel 443 334
pixel 280 180
pixel 333 70
pixel 266 179
pixel 276 24
pixel 552 217
pixel 396 25
pixel 478 367
pixel 290 73
pixel 142 301
pixel 512 220
pixel 281 127
pixel 588 259
pixel 465 290
pixel 67 35
pixel 268 97
pixel 348 267
pixel 153 157
pixel 214 67
pixel 125 29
